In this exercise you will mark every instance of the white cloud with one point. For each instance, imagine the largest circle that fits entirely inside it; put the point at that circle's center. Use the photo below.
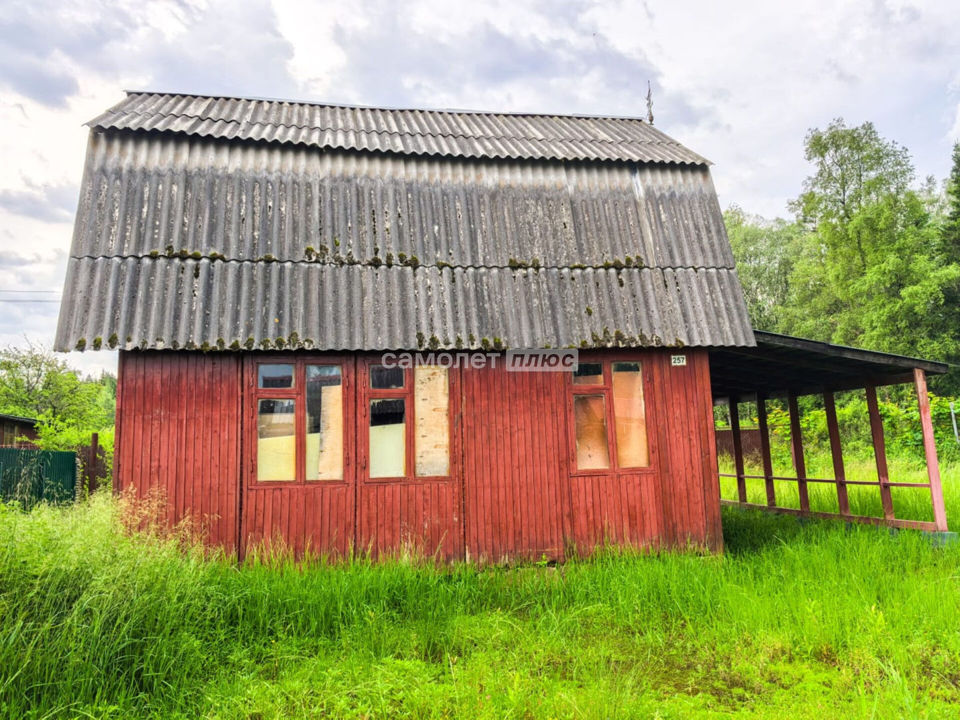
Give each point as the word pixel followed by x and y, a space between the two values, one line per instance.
pixel 953 134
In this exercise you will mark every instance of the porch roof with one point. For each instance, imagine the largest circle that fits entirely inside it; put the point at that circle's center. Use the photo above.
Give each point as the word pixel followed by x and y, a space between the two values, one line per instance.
pixel 781 363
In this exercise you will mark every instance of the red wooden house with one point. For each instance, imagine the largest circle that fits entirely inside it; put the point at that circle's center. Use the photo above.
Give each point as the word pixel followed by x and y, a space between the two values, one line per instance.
pixel 262 265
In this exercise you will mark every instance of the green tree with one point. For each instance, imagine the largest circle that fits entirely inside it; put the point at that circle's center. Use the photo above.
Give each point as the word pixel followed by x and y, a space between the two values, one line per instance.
pixel 853 168
pixel 950 235
pixel 35 383
pixel 765 251
pixel 872 271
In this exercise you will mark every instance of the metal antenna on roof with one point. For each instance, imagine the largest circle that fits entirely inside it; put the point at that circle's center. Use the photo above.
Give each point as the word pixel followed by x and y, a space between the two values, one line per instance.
pixel 649 103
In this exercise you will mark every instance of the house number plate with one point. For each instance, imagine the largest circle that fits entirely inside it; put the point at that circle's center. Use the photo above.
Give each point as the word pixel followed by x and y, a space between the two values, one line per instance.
pixel 678 360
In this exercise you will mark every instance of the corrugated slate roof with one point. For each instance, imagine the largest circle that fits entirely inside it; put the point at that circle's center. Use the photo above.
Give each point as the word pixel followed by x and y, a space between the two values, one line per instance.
pixel 186 242
pixel 138 302
pixel 444 133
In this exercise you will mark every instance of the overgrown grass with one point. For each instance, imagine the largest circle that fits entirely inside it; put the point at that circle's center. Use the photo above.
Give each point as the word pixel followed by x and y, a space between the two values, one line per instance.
pixel 908 503
pixel 795 619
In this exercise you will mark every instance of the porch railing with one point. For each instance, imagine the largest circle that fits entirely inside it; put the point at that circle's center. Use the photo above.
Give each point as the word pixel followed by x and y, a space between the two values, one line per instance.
pixel 841 483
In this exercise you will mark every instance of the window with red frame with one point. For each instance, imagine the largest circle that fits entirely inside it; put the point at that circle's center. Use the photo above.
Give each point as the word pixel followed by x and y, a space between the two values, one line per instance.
pixel 610 427
pixel 401 446
pixel 299 408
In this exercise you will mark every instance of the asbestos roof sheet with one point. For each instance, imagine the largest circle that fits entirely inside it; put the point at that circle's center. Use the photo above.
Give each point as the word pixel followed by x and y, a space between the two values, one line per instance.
pixel 164 303
pixel 444 133
pixel 187 242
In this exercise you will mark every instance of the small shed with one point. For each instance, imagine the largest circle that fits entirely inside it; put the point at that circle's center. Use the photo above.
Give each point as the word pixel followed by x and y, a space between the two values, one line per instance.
pixel 17 431
pixel 484 335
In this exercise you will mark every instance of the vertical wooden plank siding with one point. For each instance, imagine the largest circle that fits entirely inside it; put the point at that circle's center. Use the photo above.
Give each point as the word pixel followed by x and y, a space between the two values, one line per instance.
pixel 836 452
pixel 737 448
pixel 186 429
pixel 879 452
pixel 316 517
pixel 178 437
pixel 672 502
pixel 796 440
pixel 421 514
pixel 765 457
pixel 708 453
pixel 930 451
pixel 687 457
pixel 516 490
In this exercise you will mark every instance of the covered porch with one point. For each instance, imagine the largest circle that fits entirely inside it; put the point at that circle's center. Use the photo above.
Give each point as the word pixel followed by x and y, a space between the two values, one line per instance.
pixel 786 368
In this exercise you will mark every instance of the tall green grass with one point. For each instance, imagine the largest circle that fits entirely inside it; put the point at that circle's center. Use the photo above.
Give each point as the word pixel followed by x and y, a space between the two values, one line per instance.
pixel 795 619
pixel 908 503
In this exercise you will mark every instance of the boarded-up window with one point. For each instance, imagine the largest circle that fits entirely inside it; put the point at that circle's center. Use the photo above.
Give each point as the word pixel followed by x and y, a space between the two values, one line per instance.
pixel 388 438
pixel 590 422
pixel 629 418
pixel 324 451
pixel 432 419
pixel 276 440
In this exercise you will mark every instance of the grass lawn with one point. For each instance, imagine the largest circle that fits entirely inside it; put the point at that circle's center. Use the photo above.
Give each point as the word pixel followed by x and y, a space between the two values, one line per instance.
pixel 810 619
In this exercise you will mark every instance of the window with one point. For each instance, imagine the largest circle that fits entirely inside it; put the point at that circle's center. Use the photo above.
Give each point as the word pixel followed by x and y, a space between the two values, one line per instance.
pixel 276 439
pixel 409 422
pixel 324 448
pixel 604 394
pixel 299 422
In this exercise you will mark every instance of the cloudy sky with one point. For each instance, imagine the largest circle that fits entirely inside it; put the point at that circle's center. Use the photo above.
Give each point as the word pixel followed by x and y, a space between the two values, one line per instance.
pixel 739 82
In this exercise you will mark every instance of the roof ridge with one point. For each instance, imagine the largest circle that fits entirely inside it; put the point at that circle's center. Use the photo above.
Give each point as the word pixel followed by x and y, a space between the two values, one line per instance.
pixel 352 106
pixel 448 133
pixel 244 124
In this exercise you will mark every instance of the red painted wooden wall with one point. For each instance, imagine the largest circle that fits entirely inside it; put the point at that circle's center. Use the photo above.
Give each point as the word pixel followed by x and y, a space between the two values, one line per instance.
pixel 183 428
pixel 516 493
pixel 315 516
pixel 178 436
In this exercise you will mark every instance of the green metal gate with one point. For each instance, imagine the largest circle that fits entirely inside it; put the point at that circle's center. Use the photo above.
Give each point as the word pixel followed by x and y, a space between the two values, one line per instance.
pixel 29 476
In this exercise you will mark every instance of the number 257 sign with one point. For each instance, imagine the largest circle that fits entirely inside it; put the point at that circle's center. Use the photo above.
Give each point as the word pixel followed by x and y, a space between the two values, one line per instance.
pixel 678 360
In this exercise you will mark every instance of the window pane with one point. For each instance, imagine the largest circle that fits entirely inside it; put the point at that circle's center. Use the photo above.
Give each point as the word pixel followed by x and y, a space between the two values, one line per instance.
pixel 591 425
pixel 276 443
pixel 275 376
pixel 388 442
pixel 432 421
pixel 588 374
pixel 382 378
pixel 324 423
pixel 629 419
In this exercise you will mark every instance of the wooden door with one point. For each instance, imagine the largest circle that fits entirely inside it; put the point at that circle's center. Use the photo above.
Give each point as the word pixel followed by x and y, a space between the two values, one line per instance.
pixel 300 478
pixel 613 439
pixel 408 446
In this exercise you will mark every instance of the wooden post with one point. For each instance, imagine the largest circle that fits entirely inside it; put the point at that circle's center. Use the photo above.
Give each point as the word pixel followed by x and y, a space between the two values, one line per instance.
pixel 765 449
pixel 879 452
pixel 737 448
pixel 833 429
pixel 93 466
pixel 796 441
pixel 930 450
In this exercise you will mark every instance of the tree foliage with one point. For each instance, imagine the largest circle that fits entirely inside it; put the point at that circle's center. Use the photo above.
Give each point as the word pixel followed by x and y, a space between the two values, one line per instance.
pixel 766 252
pixel 35 383
pixel 951 224
pixel 870 260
